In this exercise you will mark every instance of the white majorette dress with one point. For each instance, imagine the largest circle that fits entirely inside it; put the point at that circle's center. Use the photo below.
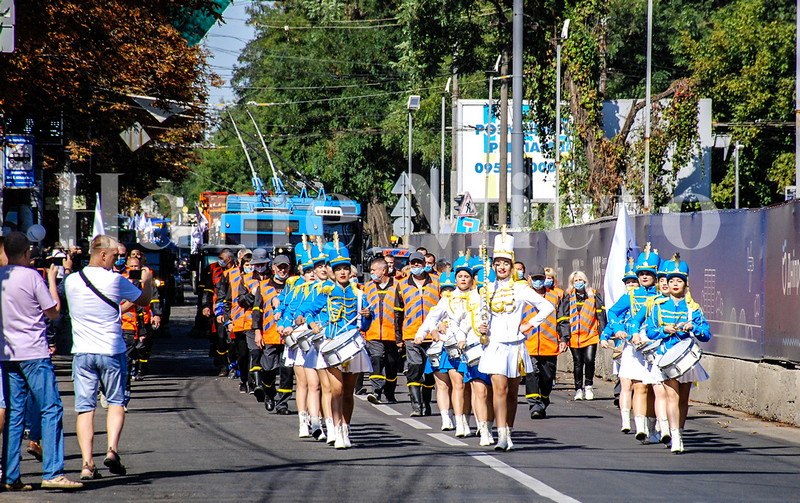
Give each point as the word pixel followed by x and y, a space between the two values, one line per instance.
pixel 506 353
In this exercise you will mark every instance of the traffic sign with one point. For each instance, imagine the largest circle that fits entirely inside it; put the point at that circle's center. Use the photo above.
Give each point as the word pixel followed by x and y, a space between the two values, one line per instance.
pixel 401 209
pixel 401 227
pixel 468 208
pixel 467 225
pixel 403 185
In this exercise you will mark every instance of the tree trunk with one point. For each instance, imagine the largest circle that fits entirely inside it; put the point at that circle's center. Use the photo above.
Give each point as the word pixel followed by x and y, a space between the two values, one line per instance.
pixel 378 224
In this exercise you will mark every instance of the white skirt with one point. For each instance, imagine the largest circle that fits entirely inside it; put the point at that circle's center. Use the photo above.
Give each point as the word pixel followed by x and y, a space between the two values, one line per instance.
pixel 292 357
pixel 359 363
pixel 314 359
pixel 510 359
pixel 694 375
pixel 632 365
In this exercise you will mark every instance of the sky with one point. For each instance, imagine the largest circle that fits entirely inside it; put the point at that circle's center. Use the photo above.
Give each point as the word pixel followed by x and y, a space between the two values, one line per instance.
pixel 226 41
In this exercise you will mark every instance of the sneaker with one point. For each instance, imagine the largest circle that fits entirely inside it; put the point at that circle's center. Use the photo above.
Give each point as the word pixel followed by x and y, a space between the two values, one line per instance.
pixel 35 450
pixel 18 486
pixel 63 483
pixel 588 393
pixel 374 398
pixel 538 414
pixel 103 401
pixel 578 394
pixel 243 388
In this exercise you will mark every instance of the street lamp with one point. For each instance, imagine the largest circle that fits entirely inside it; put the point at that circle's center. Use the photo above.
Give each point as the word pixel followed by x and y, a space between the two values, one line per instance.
pixel 440 215
pixel 487 167
pixel 413 104
pixel 564 35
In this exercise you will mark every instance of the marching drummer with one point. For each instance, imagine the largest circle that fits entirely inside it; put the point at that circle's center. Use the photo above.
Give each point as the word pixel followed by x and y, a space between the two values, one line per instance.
pixel 673 321
pixel 505 358
pixel 339 307
pixel 622 325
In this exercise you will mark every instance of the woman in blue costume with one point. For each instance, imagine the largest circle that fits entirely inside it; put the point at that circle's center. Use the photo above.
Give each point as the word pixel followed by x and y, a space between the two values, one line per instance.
pixel 338 305
pixel 673 319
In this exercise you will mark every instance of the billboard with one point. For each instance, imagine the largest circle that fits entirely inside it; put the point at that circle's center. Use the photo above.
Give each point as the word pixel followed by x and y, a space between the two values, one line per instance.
pixel 18 162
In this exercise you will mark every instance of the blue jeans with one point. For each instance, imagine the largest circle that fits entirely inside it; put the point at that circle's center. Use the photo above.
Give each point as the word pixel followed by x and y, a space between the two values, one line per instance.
pixel 33 418
pixel 38 377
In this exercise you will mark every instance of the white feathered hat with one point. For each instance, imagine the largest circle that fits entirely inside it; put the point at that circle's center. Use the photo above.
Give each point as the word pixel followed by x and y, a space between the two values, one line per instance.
pixel 504 246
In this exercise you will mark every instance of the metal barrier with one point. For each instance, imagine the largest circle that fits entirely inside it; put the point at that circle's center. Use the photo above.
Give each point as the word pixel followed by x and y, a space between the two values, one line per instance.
pixel 744 268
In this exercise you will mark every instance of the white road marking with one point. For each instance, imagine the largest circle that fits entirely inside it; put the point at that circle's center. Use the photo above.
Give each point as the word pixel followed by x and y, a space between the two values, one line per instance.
pixel 387 410
pixel 537 486
pixel 417 425
pixel 441 437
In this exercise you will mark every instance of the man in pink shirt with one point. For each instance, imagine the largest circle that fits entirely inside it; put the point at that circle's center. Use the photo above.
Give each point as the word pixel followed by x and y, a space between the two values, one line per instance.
pixel 25 300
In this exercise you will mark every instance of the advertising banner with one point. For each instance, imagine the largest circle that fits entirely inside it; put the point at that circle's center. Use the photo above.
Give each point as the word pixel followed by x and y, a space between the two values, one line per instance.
pixel 18 162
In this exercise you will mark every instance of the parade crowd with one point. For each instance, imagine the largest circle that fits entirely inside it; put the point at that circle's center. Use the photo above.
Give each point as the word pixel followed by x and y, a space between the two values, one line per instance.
pixel 472 330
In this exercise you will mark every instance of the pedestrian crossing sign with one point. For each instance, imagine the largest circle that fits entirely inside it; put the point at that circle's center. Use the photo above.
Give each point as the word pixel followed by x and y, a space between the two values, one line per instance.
pixel 468 208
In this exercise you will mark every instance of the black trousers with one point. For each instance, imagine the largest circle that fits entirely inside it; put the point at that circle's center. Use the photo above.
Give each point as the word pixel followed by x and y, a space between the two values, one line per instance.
pixel 583 359
pixel 384 358
pixel 539 383
pixel 221 343
pixel 243 355
pixel 285 387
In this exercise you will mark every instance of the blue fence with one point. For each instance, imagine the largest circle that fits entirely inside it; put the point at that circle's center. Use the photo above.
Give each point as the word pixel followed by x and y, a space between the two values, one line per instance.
pixel 744 264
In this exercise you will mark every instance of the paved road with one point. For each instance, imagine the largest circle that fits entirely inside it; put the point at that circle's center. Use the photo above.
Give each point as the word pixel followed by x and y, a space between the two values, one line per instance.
pixel 190 436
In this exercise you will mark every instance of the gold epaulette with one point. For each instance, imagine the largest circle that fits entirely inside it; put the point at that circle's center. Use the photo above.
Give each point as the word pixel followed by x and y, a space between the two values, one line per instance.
pixel 447 295
pixel 327 289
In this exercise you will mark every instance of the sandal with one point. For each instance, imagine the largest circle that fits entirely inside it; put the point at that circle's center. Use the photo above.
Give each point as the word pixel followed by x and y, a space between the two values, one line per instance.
pixel 90 472
pixel 114 463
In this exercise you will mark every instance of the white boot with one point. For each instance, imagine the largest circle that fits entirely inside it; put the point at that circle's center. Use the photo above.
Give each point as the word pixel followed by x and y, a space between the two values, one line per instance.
pixel 447 422
pixel 663 425
pixel 305 430
pixel 452 416
pixel 510 446
pixel 588 393
pixel 502 439
pixel 316 428
pixel 346 436
pixel 339 442
pixel 641 428
pixel 653 438
pixel 677 441
pixel 486 434
pixel 331 429
pixel 626 420
pixel 465 425
pixel 459 426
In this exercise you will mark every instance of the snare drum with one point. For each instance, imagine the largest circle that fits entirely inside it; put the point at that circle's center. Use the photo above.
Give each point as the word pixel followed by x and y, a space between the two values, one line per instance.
pixel 680 358
pixel 451 347
pixel 648 350
pixel 318 339
pixel 435 353
pixel 472 354
pixel 342 348
pixel 293 340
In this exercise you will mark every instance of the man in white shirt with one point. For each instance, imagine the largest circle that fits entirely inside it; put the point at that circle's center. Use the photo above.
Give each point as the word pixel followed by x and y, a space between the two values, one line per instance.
pixel 94 296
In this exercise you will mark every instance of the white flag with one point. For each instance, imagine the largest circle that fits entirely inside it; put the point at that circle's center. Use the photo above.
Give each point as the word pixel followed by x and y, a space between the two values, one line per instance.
pixel 202 221
pixel 197 239
pixel 98 228
pixel 141 223
pixel 622 246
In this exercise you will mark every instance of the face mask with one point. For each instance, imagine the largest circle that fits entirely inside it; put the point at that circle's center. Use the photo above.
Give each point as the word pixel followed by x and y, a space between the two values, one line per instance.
pixel 375 277
pixel 416 271
pixel 120 262
pixel 354 281
pixel 548 282
pixel 248 268
pixel 537 283
pixel 428 268
pixel 221 263
pixel 580 285
pixel 261 269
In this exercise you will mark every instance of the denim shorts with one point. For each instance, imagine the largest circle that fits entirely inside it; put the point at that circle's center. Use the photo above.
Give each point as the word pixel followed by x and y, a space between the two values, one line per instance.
pixel 89 370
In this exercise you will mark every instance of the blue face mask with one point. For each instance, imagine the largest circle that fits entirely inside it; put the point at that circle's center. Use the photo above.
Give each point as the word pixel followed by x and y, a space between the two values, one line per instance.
pixel 221 263
pixel 353 281
pixel 248 268
pixel 120 262
pixel 416 271
pixel 374 277
pixel 428 268
pixel 537 283
pixel 261 269
pixel 548 282
pixel 580 285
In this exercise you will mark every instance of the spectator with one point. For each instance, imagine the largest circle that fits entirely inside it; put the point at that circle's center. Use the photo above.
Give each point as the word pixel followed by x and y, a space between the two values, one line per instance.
pixel 3 263
pixel 25 303
pixel 99 348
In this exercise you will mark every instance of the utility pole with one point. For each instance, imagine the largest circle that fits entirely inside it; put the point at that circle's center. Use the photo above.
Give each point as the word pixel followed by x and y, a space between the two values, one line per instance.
pixel 503 180
pixel 454 126
pixel 797 105
pixel 647 109
pixel 517 134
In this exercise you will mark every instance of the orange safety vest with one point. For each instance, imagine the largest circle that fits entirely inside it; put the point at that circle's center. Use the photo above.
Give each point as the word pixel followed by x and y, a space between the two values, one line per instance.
pixel 269 327
pixel 543 340
pixel 583 322
pixel 217 274
pixel 417 303
pixel 241 318
pixel 383 303
pixel 129 318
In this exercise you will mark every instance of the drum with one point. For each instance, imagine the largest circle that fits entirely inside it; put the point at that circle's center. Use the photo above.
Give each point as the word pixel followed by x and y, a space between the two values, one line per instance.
pixel 472 354
pixel 680 358
pixel 292 340
pixel 451 347
pixel 342 348
pixel 435 353
pixel 318 339
pixel 648 350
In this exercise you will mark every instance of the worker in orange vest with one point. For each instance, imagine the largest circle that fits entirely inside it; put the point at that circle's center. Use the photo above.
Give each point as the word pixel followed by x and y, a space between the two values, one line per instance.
pixel 382 336
pixel 209 282
pixel 237 316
